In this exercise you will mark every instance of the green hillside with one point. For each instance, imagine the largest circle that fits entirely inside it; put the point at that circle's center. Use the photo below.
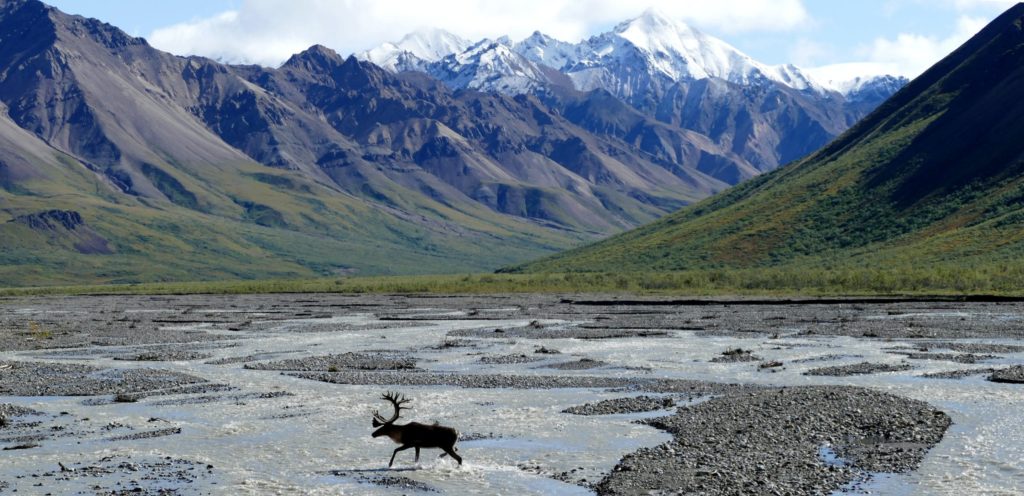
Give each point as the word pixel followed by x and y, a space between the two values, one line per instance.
pixel 246 228
pixel 61 223
pixel 933 178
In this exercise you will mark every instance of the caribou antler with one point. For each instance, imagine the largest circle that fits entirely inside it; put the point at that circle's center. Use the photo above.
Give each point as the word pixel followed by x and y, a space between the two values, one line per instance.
pixel 397 401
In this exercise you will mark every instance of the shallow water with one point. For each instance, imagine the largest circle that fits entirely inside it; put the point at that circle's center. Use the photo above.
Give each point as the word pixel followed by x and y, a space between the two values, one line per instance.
pixel 324 446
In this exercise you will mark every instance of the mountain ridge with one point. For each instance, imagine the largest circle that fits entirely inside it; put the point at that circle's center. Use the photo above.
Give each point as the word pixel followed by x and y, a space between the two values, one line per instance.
pixel 768 115
pixel 933 177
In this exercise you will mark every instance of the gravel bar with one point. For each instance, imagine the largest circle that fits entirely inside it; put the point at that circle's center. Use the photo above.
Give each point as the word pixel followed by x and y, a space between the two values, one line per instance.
pixel 358 361
pixel 581 364
pixel 779 441
pixel 737 355
pixel 633 404
pixel 957 374
pixel 490 381
pixel 948 357
pixel 862 368
pixel 508 359
pixel 1011 375
pixel 65 379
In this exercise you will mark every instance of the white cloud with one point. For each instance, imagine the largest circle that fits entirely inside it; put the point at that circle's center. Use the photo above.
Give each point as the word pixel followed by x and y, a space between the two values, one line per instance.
pixel 907 54
pixel 915 53
pixel 842 76
pixel 268 31
pixel 806 52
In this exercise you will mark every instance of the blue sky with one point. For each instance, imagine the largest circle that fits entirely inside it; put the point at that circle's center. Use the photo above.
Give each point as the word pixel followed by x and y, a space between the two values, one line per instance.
pixel 898 36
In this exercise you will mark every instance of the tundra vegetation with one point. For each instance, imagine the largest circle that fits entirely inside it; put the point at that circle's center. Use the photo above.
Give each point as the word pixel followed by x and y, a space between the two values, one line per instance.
pixel 948 280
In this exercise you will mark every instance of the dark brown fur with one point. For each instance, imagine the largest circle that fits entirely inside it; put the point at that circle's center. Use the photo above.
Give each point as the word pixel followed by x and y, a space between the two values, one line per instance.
pixel 414 434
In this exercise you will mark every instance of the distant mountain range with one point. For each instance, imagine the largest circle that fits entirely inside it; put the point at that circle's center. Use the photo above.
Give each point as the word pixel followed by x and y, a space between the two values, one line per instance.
pixel 767 115
pixel 122 163
pixel 932 178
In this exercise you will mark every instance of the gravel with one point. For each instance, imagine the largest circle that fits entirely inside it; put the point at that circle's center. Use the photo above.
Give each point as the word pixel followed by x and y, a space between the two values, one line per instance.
pixel 214 398
pixel 64 379
pixel 1011 375
pixel 396 482
pixel 838 317
pixel 561 332
pixel 862 368
pixel 242 359
pixel 825 358
pixel 8 411
pixel 975 347
pixel 118 475
pixel 719 444
pixel 957 374
pixel 736 355
pixel 164 356
pixel 147 434
pixel 634 404
pixel 488 381
pixel 508 359
pixel 771 442
pixel 949 357
pixel 356 361
pixel 581 364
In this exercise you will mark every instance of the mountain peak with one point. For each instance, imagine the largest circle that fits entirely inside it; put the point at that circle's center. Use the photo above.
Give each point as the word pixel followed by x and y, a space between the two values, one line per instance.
pixel 672 48
pixel 8 7
pixel 432 44
pixel 540 48
pixel 39 19
pixel 490 65
pixel 320 50
pixel 655 16
pixel 678 51
pixel 316 56
pixel 655 22
pixel 416 49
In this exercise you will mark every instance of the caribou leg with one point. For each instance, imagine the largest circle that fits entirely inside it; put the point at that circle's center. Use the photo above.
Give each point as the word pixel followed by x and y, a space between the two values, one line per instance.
pixel 451 452
pixel 400 448
pixel 417 455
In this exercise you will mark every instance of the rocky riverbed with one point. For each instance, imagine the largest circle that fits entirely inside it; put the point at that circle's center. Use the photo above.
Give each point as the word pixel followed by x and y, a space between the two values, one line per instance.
pixel 576 395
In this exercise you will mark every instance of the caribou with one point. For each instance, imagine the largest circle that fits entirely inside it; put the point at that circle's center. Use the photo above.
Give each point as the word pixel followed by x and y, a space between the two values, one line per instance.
pixel 413 434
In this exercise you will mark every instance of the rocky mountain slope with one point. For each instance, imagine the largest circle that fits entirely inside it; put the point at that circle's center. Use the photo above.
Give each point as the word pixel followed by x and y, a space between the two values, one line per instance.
pixel 932 178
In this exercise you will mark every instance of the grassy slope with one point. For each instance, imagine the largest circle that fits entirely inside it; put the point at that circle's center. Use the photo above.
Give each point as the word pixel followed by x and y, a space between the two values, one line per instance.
pixel 308 230
pixel 1003 281
pixel 932 179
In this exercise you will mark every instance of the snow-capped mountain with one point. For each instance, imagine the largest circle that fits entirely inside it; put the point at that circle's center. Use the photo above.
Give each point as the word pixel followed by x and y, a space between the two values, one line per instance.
pixel 766 114
pixel 665 48
pixel 545 50
pixel 874 88
pixel 649 48
pixel 416 50
pixel 493 65
pixel 857 80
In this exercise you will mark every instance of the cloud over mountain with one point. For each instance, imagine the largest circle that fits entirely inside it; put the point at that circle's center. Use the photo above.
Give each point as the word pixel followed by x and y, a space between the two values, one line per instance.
pixel 267 32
